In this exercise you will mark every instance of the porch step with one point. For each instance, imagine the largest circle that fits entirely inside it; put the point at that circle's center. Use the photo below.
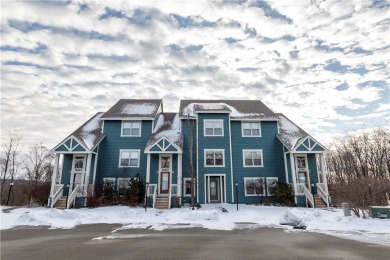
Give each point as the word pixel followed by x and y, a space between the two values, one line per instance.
pixel 320 203
pixel 61 204
pixel 161 203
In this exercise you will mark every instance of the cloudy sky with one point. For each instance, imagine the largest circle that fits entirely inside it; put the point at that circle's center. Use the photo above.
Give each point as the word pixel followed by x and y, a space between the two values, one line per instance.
pixel 324 64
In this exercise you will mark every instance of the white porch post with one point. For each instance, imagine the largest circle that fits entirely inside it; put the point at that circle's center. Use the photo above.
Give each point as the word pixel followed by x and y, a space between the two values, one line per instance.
pixel 86 180
pixel 148 168
pixel 54 176
pixel 324 172
pixel 179 174
pixel 94 173
pixel 293 175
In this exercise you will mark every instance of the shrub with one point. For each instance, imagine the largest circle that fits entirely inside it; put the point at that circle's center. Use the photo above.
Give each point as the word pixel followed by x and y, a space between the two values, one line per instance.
pixel 135 191
pixel 283 194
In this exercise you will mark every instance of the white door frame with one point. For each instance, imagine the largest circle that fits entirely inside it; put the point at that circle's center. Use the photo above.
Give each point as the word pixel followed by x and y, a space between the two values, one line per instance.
pixel 306 169
pixel 168 170
pixel 72 173
pixel 222 188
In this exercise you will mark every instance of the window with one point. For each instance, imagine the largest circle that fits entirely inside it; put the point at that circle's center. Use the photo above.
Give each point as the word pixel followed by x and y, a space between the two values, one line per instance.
pixel 254 186
pixel 271 184
pixel 213 127
pixel 131 128
pixel 129 158
pixel 250 129
pixel 253 158
pixel 123 185
pixel 214 158
pixel 109 183
pixel 187 187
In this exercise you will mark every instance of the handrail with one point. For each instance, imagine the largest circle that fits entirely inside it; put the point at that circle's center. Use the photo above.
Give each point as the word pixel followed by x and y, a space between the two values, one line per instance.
pixel 58 193
pixel 322 193
pixel 173 191
pixel 73 195
pixel 308 195
pixel 152 188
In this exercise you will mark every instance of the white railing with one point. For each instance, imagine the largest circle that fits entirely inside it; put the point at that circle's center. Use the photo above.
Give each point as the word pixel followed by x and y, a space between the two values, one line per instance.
pixel 152 191
pixel 308 195
pixel 173 191
pixel 321 192
pixel 58 189
pixel 77 191
pixel 300 190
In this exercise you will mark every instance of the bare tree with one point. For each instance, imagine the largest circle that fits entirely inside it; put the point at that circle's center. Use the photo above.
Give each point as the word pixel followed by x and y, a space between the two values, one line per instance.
pixel 360 170
pixel 9 163
pixel 38 171
pixel 191 125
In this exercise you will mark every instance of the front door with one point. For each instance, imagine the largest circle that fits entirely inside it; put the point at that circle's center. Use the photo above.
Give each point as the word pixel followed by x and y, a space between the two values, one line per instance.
pixel 164 182
pixel 302 170
pixel 78 171
pixel 215 189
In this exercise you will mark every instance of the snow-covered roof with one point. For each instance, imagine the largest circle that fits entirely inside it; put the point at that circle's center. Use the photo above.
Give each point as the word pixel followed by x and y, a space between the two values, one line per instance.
pixel 289 133
pixel 238 109
pixel 90 133
pixel 133 108
pixel 168 126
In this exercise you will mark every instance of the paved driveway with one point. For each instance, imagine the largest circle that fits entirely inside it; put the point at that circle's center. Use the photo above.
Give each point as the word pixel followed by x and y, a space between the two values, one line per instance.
pixel 184 243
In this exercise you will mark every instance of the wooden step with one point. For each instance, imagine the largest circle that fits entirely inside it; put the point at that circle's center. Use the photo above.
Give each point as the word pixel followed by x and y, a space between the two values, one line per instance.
pixel 319 202
pixel 161 203
pixel 61 204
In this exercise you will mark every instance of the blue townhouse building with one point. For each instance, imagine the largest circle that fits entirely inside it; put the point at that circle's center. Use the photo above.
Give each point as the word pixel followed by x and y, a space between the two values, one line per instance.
pixel 228 145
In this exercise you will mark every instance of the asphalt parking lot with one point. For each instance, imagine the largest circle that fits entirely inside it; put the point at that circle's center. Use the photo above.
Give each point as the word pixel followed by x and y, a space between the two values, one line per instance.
pixel 100 242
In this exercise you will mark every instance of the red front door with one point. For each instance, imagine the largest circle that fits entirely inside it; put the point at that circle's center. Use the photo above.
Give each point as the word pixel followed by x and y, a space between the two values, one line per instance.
pixel 164 182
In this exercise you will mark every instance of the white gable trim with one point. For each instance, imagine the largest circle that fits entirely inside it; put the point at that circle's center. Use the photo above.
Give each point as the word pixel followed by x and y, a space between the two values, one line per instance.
pixel 163 149
pixel 310 148
pixel 70 149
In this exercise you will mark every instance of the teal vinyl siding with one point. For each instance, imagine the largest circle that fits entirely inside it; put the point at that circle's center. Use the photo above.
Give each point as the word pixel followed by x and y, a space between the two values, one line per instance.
pixel 62 148
pixel 214 142
pixel 273 162
pixel 92 168
pixel 317 148
pixel 67 143
pixel 66 169
pixel 79 149
pixel 311 158
pixel 154 168
pixel 108 164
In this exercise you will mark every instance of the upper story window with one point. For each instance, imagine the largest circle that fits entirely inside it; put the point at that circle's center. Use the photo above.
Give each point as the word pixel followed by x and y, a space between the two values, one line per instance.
pixel 250 129
pixel 131 128
pixel 214 158
pixel 213 127
pixel 253 158
pixel 129 158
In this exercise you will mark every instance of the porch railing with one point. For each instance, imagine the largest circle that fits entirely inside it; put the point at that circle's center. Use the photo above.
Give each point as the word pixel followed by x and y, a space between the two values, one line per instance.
pixel 77 191
pixel 152 191
pixel 58 189
pixel 308 194
pixel 173 191
pixel 324 195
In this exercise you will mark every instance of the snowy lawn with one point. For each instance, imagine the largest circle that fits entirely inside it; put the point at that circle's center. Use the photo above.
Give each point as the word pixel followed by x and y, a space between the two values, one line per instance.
pixel 210 216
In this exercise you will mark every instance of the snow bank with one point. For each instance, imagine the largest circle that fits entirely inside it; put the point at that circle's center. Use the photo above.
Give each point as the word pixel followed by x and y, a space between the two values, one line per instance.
pixel 210 216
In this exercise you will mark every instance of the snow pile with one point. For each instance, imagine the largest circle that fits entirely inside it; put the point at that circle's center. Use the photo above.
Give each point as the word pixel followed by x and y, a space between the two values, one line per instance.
pixel 210 216
pixel 190 109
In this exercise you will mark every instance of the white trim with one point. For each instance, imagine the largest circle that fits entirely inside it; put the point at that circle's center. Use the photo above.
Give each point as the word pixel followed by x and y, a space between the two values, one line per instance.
pixel 214 150
pixel 251 151
pixel 94 172
pixel 254 178
pixel 196 159
pixel 306 169
pixel 179 173
pixel 270 179
pixel 128 118
pixel 129 150
pixel 256 119
pixel 252 122
pixel 207 181
pixel 87 173
pixel 102 131
pixel 170 172
pixel 131 122
pixel 231 159
pixel 54 176
pixel 285 167
pixel 212 120
pixel 213 112
pixel 310 148
pixel 185 187
pixel 70 149
pixel 148 168
pixel 164 148
pixel 72 173
pixel 293 176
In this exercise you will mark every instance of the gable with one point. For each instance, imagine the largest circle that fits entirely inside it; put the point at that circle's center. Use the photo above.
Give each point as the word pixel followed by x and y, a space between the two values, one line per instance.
pixel 164 145
pixel 70 144
pixel 310 145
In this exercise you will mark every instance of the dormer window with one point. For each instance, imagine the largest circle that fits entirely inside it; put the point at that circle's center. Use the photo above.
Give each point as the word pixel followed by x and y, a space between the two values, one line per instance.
pixel 131 128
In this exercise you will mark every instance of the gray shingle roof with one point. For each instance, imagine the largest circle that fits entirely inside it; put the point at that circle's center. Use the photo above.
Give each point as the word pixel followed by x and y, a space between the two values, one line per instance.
pixel 289 133
pixel 133 108
pixel 239 109
pixel 168 126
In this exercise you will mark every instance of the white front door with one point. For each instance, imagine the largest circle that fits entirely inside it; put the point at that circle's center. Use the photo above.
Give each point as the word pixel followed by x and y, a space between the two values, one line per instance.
pixel 302 170
pixel 78 171
pixel 165 174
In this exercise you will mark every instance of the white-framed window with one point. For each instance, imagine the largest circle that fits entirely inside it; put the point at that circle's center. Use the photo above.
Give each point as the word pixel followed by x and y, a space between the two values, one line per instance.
pixel 214 158
pixel 109 183
pixel 123 185
pixel 254 186
pixel 250 129
pixel 213 127
pixel 187 187
pixel 271 184
pixel 131 128
pixel 129 158
pixel 252 158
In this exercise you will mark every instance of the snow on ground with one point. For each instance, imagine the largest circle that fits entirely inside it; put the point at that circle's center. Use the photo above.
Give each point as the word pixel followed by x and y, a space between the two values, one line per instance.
pixel 210 216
